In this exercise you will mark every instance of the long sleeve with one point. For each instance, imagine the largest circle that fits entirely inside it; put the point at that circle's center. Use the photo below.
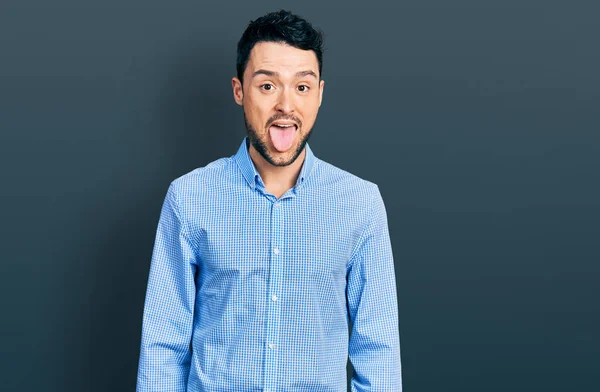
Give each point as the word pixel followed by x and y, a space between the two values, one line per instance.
pixel 374 346
pixel 165 351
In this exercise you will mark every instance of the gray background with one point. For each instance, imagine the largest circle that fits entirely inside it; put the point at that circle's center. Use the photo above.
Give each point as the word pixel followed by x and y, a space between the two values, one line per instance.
pixel 478 120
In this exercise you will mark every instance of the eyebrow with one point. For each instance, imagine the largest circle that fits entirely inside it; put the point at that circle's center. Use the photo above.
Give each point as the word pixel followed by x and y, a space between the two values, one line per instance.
pixel 299 74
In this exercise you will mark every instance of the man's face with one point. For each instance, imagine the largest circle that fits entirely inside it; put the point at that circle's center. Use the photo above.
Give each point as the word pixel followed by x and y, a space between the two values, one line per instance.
pixel 281 96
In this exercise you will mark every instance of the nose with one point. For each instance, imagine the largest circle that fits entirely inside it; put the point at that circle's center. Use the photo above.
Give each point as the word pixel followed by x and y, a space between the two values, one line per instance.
pixel 285 102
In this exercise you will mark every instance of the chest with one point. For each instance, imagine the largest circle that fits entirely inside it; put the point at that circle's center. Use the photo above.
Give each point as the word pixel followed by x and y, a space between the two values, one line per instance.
pixel 301 240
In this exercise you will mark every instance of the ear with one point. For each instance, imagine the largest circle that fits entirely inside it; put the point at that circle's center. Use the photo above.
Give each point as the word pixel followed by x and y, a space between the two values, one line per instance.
pixel 238 92
pixel 321 85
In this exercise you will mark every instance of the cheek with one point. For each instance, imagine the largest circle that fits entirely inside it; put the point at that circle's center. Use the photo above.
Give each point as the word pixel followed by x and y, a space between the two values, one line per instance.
pixel 310 111
pixel 254 115
pixel 258 108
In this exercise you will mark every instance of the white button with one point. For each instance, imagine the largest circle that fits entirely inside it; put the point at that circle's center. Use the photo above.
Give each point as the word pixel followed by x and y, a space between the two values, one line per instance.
pixel 276 204
pixel 276 250
pixel 271 345
pixel 274 298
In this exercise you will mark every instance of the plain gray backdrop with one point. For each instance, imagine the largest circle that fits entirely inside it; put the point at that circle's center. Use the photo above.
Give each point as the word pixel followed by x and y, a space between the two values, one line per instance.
pixel 479 120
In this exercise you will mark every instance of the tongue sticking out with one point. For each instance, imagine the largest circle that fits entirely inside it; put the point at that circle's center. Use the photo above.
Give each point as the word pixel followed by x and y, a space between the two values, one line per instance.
pixel 282 138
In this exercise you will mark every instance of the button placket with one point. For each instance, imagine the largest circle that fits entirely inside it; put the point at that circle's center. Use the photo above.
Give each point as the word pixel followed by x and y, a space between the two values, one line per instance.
pixel 273 324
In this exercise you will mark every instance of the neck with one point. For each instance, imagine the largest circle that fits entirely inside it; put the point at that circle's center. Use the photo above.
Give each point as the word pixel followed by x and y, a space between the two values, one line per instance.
pixel 277 177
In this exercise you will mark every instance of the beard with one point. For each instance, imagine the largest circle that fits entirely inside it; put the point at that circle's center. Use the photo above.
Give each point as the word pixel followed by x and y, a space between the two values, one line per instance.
pixel 260 144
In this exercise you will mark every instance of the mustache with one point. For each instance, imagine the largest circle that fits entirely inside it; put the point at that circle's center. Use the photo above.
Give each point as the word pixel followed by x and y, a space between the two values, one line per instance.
pixel 280 117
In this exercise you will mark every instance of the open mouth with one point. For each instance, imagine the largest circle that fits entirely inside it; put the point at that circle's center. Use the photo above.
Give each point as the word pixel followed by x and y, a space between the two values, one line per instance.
pixel 285 126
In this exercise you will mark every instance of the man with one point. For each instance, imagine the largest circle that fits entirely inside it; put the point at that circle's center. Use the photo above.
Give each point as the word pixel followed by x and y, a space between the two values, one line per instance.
pixel 263 259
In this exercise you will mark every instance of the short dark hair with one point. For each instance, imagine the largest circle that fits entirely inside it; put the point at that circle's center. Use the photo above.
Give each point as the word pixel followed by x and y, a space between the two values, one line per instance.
pixel 280 26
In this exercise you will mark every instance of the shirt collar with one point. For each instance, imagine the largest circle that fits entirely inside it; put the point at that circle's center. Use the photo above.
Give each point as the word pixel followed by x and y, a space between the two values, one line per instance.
pixel 244 161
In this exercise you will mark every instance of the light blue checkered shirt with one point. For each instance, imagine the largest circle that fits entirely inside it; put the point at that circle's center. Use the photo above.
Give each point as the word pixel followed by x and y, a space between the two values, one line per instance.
pixel 247 292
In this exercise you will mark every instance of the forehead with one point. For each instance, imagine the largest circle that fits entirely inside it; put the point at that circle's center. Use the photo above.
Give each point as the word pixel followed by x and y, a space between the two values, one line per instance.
pixel 281 58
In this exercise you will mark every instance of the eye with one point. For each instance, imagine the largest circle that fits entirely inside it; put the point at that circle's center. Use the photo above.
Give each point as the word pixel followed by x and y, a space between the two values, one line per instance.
pixel 303 88
pixel 264 86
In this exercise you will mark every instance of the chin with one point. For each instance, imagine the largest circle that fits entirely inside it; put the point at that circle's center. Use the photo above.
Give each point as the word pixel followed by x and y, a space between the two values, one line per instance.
pixel 286 158
pixel 281 158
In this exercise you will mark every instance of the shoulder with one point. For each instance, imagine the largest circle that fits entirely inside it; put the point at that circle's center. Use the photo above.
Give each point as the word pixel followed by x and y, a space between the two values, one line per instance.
pixel 343 182
pixel 356 196
pixel 195 192
pixel 202 179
